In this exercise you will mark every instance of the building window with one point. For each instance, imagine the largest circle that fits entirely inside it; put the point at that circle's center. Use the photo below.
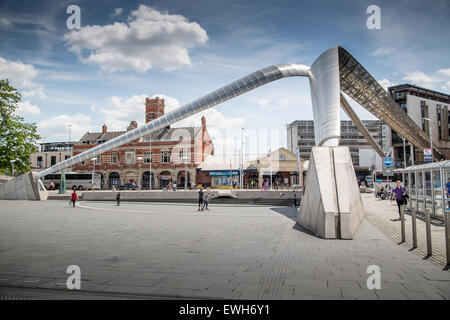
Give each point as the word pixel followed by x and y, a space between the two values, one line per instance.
pixel 53 160
pixel 39 161
pixel 66 157
pixel 165 156
pixel 98 159
pixel 147 157
pixel 130 157
pixel 114 158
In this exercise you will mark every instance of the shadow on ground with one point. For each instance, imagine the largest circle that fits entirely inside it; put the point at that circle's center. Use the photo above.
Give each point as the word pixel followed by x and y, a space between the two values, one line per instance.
pixel 292 213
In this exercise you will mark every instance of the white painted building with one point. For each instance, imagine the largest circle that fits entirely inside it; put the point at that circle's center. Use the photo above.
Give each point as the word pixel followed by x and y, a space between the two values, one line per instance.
pixel 420 104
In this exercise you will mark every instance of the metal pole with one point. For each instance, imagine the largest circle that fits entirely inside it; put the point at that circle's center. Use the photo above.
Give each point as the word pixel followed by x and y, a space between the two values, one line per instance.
pixel 404 153
pixel 231 178
pixel 413 213
pixel 242 160
pixel 12 170
pixel 427 217
pixel 139 176
pixel 93 175
pixel 185 173
pixel 402 217
pixel 270 163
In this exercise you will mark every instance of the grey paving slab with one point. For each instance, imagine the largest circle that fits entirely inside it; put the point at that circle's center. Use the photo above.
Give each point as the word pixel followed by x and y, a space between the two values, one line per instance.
pixel 156 250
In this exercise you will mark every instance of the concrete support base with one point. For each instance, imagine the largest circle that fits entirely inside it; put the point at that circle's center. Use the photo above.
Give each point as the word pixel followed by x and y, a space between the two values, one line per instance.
pixel 23 187
pixel 331 205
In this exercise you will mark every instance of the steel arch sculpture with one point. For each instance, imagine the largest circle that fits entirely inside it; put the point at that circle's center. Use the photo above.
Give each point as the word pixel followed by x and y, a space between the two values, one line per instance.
pixel 333 71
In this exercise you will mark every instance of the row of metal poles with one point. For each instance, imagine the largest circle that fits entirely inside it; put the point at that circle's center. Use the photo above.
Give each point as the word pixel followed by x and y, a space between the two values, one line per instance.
pixel 427 214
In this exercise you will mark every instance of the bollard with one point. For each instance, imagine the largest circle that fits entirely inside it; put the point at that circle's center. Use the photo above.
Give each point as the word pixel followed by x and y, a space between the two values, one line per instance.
pixel 428 231
pixel 447 235
pixel 402 217
pixel 414 227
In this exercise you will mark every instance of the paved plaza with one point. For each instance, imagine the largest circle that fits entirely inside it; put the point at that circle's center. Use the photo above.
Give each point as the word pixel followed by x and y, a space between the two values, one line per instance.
pixel 162 250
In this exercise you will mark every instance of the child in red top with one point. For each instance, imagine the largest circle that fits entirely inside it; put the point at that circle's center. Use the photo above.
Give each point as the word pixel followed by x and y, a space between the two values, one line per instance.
pixel 74 197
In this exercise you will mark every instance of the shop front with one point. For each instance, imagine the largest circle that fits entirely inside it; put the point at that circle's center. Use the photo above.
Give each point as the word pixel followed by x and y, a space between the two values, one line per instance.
pixel 224 179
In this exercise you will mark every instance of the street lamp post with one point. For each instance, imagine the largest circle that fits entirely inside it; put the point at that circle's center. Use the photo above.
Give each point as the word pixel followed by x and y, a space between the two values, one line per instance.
pixel 93 173
pixel 241 173
pixel 431 134
pixel 270 163
pixel 139 159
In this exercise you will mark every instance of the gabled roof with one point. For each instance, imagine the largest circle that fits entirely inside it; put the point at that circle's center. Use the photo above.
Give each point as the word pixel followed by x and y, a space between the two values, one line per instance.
pixel 93 137
pixel 170 134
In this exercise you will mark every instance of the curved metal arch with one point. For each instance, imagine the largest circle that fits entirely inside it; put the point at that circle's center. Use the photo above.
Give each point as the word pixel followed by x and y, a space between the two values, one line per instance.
pixel 334 70
pixel 234 89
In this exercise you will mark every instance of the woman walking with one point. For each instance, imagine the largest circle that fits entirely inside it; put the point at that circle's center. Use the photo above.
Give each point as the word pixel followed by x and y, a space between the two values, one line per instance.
pixel 399 193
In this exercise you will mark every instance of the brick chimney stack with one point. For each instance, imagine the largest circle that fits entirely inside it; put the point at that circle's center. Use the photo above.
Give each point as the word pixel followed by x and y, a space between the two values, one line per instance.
pixel 154 108
pixel 203 124
pixel 104 128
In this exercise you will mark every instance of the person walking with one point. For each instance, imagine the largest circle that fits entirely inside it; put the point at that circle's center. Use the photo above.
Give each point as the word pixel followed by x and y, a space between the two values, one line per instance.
pixel 398 194
pixel 206 198
pixel 200 199
pixel 118 195
pixel 74 198
pixel 447 192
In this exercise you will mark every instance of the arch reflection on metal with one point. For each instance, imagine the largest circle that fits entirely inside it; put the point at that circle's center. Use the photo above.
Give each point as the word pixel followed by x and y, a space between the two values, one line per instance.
pixel 333 71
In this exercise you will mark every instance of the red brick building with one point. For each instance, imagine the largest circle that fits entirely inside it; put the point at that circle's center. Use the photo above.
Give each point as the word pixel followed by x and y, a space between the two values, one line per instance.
pixel 164 155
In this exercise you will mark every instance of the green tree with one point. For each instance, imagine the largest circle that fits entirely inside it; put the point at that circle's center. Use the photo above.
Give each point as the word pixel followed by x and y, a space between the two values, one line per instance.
pixel 17 138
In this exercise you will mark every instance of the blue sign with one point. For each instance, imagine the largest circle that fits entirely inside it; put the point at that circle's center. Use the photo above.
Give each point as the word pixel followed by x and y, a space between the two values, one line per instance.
pixel 387 162
pixel 224 173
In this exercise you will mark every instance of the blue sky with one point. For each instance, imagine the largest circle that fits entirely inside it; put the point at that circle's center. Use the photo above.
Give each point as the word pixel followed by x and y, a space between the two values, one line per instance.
pixel 126 50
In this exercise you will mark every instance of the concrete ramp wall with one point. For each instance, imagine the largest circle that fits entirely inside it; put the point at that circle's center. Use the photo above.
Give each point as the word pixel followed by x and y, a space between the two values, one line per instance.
pixel 23 187
pixel 331 205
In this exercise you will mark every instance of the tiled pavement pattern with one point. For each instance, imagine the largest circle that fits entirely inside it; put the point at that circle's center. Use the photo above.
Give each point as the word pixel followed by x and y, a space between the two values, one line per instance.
pixel 141 250
pixel 384 215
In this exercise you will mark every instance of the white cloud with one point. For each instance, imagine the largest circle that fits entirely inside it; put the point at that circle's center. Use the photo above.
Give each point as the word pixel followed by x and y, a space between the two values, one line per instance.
pixel 117 12
pixel 446 86
pixel 5 23
pixel 26 108
pixel 382 52
pixel 445 72
pixel 21 76
pixel 421 79
pixel 57 128
pixel 385 83
pixel 35 92
pixel 149 39
pixel 118 112
pixel 19 73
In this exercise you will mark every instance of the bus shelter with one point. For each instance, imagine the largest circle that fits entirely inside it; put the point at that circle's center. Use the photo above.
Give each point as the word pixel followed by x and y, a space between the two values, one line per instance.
pixel 428 187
